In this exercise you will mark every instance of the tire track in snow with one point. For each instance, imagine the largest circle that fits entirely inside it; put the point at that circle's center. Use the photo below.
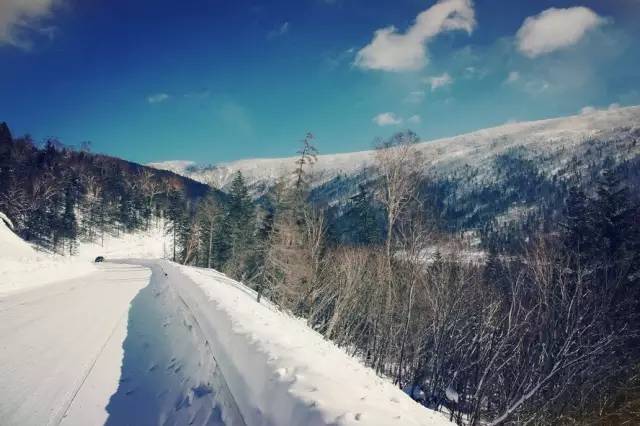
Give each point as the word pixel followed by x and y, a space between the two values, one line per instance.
pixel 67 406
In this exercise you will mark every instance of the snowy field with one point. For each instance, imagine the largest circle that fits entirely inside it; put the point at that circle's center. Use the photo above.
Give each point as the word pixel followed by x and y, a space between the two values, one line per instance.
pixel 146 341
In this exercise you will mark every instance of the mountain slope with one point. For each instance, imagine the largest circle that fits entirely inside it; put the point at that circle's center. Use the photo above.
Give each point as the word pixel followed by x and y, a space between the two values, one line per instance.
pixel 559 137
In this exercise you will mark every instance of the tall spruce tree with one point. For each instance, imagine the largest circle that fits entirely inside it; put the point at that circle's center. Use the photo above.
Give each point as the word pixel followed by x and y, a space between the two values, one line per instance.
pixel 362 213
pixel 240 221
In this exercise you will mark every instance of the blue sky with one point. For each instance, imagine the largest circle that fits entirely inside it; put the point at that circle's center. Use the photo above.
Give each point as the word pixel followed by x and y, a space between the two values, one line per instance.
pixel 215 81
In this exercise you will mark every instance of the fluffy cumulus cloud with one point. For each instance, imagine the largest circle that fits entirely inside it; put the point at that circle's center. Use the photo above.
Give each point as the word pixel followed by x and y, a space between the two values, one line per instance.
pixel 158 98
pixel 439 81
pixel 387 119
pixel 21 18
pixel 391 50
pixel 555 29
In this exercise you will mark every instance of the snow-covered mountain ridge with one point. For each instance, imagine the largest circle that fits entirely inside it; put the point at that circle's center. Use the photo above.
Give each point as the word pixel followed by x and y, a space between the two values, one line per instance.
pixel 552 138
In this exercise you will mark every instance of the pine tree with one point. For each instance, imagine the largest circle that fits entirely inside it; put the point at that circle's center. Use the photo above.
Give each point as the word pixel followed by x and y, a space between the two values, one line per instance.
pixel 68 221
pixel 611 218
pixel 366 224
pixel 577 229
pixel 177 225
pixel 240 226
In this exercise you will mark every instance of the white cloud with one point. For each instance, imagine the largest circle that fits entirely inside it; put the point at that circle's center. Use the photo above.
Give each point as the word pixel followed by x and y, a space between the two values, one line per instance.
pixel 392 51
pixel 438 81
pixel 280 31
pixel 555 29
pixel 414 119
pixel 415 97
pixel 19 18
pixel 512 77
pixel 158 98
pixel 387 119
pixel 537 86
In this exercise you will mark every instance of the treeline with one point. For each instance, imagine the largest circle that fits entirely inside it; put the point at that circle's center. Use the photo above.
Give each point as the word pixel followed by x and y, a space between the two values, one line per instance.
pixel 546 335
pixel 56 195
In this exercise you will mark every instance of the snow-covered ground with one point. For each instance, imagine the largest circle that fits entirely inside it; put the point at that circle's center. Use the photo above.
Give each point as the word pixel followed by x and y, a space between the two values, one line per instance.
pixel 147 341
pixel 23 267
pixel 280 371
pixel 63 341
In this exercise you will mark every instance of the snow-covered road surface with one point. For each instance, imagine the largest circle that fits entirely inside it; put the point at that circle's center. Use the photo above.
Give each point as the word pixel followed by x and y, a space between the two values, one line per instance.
pixel 111 347
pixel 57 341
pixel 150 342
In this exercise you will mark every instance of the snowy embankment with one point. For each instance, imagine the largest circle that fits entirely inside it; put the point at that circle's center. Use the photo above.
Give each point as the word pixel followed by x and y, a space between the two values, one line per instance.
pixel 22 267
pixel 194 347
pixel 278 370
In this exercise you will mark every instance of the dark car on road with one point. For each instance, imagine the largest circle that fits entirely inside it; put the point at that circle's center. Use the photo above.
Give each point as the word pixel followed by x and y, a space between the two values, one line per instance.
pixel 99 259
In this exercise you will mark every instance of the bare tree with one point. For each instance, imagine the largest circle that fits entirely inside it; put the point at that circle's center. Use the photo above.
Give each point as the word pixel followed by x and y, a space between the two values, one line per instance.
pixel 400 166
pixel 308 155
pixel 209 212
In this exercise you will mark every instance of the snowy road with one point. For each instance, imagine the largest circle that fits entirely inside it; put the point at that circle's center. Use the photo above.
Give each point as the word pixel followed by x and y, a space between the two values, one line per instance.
pixel 58 341
pixel 111 347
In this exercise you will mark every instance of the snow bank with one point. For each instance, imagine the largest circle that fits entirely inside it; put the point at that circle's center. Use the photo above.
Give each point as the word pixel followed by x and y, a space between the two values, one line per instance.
pixel 168 375
pixel 149 244
pixel 278 370
pixel 22 267
pixel 12 246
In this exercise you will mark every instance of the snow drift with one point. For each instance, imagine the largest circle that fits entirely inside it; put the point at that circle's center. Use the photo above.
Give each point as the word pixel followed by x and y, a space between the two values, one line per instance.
pixel 23 267
pixel 12 246
pixel 278 370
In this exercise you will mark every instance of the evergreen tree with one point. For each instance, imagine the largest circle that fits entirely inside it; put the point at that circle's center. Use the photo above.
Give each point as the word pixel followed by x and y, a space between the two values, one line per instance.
pixel 69 228
pixel 367 228
pixel 240 226
pixel 577 229
pixel 178 224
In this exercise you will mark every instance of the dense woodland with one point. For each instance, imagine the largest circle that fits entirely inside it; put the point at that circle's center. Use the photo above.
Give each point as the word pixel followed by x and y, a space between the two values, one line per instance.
pixel 543 330
pixel 56 195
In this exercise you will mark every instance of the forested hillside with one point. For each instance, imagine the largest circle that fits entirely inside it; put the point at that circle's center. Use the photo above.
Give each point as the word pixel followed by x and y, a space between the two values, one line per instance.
pixel 56 195
pixel 541 330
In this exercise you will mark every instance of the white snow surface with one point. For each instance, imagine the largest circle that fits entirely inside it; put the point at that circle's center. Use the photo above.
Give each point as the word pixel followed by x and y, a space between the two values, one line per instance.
pixel 280 371
pixel 551 135
pixel 23 267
